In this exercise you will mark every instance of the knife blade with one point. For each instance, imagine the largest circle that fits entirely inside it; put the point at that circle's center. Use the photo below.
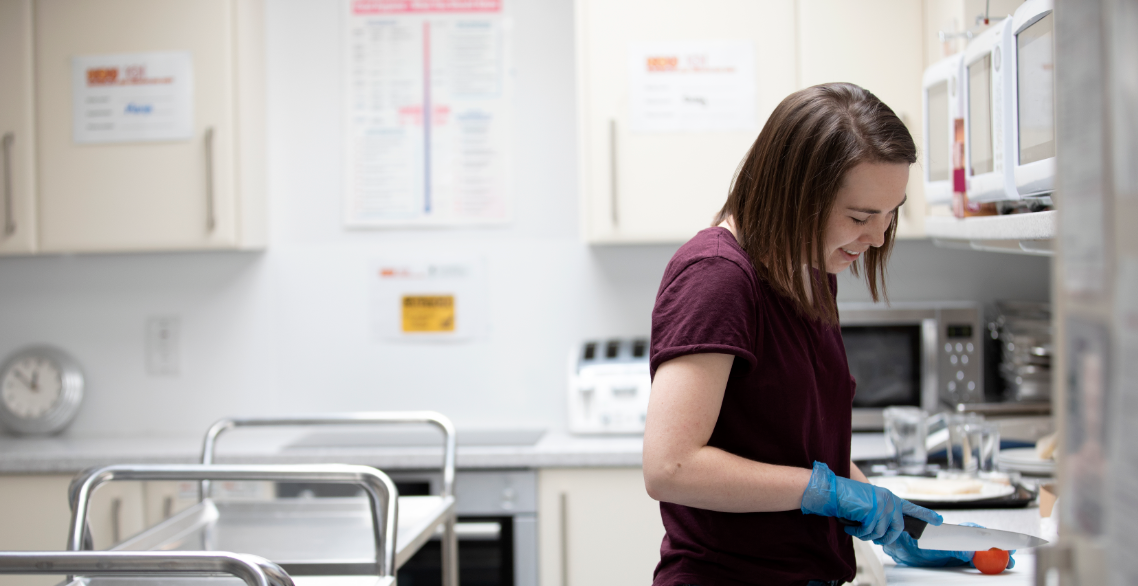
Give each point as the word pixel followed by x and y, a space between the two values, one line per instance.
pixel 949 537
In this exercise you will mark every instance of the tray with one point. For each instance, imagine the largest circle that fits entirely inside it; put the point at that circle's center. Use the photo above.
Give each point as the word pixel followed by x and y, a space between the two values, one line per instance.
pixel 306 537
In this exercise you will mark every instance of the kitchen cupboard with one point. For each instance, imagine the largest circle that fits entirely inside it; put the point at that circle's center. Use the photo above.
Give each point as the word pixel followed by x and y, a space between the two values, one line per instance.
pixel 879 45
pixel 203 192
pixel 663 187
pixel 35 516
pixel 596 526
pixel 17 129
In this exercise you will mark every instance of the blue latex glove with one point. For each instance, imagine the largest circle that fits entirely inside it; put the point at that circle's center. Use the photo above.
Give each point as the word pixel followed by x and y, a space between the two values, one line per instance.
pixel 905 552
pixel 879 512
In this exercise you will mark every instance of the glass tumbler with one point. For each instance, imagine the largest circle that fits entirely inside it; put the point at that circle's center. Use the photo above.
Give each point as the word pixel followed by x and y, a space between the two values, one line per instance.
pixel 984 444
pixel 906 429
pixel 961 460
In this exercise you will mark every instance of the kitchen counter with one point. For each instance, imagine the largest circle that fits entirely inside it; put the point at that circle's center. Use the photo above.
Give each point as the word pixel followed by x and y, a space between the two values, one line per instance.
pixel 71 454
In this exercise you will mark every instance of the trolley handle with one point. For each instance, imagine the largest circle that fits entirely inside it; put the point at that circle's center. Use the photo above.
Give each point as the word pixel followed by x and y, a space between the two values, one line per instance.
pixel 381 492
pixel 254 570
pixel 358 418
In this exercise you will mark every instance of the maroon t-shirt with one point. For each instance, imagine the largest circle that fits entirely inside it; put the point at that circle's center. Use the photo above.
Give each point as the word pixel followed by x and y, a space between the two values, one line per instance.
pixel 788 401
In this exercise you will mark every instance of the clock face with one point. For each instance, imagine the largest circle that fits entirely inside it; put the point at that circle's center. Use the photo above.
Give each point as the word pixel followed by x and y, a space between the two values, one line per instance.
pixel 31 387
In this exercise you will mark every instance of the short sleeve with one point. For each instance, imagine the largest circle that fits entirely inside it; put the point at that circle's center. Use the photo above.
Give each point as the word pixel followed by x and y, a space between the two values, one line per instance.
pixel 708 307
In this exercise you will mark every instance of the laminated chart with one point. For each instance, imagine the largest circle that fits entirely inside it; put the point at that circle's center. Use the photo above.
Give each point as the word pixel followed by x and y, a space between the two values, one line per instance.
pixel 428 90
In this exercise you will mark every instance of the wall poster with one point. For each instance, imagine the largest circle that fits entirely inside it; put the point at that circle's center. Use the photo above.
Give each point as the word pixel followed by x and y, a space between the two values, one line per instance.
pixel 428 89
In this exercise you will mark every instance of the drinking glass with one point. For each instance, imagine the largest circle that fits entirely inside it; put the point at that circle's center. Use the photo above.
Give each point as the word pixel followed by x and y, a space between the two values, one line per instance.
pixel 974 445
pixel 906 429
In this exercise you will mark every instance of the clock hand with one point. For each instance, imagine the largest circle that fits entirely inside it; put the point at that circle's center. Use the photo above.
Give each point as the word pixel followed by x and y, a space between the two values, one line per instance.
pixel 23 378
pixel 35 386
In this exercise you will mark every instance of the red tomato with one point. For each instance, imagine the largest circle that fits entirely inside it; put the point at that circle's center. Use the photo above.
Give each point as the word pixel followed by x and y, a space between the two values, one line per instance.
pixel 992 561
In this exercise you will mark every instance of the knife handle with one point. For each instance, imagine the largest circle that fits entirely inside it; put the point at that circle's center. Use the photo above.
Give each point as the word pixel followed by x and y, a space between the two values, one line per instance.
pixel 913 526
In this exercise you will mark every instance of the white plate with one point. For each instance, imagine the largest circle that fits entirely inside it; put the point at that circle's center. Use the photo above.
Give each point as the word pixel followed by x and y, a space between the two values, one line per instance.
pixel 907 487
pixel 1025 460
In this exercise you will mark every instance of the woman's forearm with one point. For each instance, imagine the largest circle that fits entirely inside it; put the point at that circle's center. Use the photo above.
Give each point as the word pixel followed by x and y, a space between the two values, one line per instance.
pixel 710 478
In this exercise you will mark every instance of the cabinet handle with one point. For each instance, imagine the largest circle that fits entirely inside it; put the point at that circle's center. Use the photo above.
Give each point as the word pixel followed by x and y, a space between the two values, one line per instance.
pixel 613 164
pixel 210 217
pixel 9 221
pixel 564 510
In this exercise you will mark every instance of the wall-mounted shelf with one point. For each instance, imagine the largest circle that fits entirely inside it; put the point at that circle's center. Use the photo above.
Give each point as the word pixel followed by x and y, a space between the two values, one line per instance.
pixel 1015 233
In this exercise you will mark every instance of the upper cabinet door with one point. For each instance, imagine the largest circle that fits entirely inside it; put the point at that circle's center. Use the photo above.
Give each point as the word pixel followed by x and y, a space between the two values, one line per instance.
pixel 17 129
pixel 655 186
pixel 121 196
pixel 879 45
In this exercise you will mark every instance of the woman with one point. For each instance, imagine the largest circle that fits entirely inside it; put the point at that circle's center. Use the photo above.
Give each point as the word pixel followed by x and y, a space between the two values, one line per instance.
pixel 747 442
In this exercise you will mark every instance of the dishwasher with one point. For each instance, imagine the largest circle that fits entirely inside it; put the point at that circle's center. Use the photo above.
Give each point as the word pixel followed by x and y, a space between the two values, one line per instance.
pixel 338 537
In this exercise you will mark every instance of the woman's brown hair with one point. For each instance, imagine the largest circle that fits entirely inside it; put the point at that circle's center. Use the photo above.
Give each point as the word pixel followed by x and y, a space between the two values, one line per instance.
pixel 786 186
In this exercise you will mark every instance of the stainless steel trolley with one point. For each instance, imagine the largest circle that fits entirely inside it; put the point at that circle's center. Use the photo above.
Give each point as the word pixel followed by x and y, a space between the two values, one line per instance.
pixel 118 568
pixel 357 548
pixel 336 533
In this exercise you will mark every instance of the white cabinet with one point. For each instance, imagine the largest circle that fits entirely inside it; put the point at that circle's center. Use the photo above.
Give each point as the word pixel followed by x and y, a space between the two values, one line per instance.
pixel 664 187
pixel 597 527
pixel 879 45
pixel 36 516
pixel 17 129
pixel 33 516
pixel 201 193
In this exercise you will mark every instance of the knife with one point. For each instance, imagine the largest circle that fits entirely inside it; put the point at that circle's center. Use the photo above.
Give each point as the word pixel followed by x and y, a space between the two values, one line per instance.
pixel 949 537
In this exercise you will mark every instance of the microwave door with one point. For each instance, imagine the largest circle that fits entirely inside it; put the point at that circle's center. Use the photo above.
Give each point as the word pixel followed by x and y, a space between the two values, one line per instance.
pixel 886 363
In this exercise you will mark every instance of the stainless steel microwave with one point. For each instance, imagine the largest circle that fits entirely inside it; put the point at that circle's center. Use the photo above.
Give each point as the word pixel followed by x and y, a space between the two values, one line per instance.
pixel 924 354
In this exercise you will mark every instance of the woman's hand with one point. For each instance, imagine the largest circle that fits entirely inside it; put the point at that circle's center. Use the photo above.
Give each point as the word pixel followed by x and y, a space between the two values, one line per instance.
pixel 879 511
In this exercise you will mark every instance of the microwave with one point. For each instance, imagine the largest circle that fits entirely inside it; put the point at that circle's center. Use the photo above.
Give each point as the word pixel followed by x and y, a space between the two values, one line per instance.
pixel 922 354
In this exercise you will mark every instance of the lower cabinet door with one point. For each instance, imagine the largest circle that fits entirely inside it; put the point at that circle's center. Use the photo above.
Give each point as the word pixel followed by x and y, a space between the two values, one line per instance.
pixel 597 527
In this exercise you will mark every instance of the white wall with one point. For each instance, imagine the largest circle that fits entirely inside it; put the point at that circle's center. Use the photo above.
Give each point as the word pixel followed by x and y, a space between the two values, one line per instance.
pixel 287 330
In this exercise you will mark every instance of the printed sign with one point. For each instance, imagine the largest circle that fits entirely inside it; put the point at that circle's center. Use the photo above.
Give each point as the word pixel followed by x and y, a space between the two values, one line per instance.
pixel 428 313
pixel 692 86
pixel 132 97
pixel 425 300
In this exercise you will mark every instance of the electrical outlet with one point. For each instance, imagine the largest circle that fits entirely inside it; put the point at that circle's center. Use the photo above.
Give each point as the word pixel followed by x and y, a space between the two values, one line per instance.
pixel 162 345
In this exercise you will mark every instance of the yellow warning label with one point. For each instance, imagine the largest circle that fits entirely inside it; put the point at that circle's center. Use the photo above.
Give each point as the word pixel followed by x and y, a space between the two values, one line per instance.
pixel 428 313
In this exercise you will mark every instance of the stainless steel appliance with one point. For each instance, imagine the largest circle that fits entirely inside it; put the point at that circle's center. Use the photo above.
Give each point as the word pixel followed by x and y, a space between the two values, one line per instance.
pixel 497 509
pixel 923 354
pixel 1023 331
pixel 497 528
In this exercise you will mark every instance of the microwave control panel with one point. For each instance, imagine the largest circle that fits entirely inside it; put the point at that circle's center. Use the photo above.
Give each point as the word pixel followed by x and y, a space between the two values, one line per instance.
pixel 961 356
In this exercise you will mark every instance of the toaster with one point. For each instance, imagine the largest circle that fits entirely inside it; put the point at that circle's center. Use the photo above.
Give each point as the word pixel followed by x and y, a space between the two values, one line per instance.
pixel 609 384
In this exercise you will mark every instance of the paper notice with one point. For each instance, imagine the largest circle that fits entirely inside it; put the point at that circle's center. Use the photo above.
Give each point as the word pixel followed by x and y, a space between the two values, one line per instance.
pixel 427 300
pixel 692 86
pixel 132 97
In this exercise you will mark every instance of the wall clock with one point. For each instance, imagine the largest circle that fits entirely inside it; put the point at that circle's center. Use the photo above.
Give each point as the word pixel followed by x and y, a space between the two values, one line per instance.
pixel 40 391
